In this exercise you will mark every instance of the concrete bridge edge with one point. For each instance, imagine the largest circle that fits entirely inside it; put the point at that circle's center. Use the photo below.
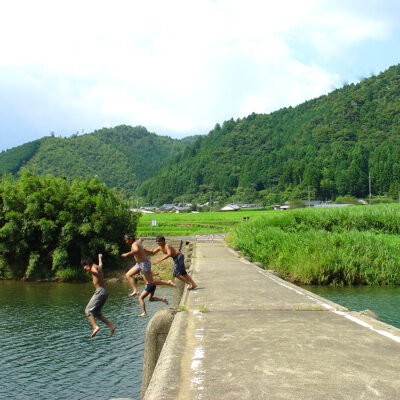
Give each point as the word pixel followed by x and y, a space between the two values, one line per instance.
pixel 159 325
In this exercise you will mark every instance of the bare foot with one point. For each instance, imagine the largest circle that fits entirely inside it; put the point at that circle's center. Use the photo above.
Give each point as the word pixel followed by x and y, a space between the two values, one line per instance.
pixel 164 300
pixel 112 330
pixel 94 333
pixel 191 287
pixel 142 315
pixel 133 294
pixel 171 283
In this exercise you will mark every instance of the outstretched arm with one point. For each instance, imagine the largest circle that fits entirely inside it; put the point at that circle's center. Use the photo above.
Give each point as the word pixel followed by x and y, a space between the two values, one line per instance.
pixel 155 251
pixel 167 255
pixel 134 250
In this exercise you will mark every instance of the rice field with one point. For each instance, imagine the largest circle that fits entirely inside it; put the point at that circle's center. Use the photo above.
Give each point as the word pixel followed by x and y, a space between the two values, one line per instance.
pixel 189 224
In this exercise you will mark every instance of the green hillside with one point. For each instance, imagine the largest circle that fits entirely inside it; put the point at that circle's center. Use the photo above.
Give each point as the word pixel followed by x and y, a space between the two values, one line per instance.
pixel 12 160
pixel 122 157
pixel 328 145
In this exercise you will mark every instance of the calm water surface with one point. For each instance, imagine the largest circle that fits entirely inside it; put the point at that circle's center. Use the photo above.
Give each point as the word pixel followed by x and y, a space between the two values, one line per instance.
pixel 383 301
pixel 46 352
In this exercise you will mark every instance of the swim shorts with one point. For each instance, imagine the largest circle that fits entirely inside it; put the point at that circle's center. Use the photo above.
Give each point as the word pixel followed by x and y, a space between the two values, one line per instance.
pixel 96 302
pixel 150 288
pixel 144 267
pixel 179 265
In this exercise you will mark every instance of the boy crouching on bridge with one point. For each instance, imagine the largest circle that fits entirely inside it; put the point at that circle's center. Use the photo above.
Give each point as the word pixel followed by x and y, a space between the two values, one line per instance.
pixel 179 270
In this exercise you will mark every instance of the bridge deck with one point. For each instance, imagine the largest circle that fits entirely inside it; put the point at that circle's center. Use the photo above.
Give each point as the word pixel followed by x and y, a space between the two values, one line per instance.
pixel 246 334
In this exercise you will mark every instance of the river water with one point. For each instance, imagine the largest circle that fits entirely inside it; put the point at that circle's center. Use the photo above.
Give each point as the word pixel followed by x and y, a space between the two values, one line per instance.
pixel 383 301
pixel 46 351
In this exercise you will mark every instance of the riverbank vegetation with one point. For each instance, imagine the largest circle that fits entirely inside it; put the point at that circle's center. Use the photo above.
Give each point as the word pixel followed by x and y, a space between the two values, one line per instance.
pixel 48 224
pixel 326 246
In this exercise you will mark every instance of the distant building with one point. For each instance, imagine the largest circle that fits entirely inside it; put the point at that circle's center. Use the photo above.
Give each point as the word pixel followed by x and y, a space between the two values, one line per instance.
pixel 281 207
pixel 230 207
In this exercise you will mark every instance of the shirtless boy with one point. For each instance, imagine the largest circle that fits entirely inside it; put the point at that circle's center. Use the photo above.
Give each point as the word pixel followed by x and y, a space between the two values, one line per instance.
pixel 96 303
pixel 179 270
pixel 142 265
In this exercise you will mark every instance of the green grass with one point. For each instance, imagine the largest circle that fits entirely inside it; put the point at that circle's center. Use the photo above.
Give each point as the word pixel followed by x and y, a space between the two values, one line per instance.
pixel 188 224
pixel 339 246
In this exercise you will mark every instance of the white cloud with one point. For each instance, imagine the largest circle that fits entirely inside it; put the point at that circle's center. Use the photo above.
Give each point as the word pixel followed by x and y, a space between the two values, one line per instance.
pixel 181 65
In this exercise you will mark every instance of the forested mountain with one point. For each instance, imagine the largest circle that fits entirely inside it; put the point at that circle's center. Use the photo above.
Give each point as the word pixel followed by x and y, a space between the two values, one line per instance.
pixel 122 157
pixel 12 160
pixel 328 146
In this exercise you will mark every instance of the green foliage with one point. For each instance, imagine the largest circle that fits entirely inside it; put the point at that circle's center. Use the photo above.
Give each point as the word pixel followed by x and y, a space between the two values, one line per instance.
pixel 346 200
pixel 122 157
pixel 330 144
pixel 350 245
pixel 188 224
pixel 47 225
pixel 12 160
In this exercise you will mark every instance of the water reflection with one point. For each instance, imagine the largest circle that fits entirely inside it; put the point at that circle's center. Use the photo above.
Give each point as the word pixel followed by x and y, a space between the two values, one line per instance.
pixel 46 349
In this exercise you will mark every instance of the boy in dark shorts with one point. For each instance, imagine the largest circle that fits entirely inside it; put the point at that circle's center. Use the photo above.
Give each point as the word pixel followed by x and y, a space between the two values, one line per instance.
pixel 141 265
pixel 96 303
pixel 179 270
pixel 149 291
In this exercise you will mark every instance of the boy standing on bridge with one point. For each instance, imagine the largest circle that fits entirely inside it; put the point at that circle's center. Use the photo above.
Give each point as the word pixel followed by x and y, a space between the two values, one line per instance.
pixel 96 303
pixel 179 270
pixel 142 265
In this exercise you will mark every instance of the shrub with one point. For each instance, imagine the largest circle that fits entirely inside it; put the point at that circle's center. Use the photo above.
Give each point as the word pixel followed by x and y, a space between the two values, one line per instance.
pixel 48 224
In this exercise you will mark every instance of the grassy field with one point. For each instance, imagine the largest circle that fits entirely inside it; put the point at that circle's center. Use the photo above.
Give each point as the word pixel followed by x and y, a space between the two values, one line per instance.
pixel 338 246
pixel 188 224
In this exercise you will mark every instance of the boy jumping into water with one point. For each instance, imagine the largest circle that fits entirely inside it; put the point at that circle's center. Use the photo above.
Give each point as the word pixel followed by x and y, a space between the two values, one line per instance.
pixel 96 303
pixel 149 291
pixel 142 265
pixel 179 270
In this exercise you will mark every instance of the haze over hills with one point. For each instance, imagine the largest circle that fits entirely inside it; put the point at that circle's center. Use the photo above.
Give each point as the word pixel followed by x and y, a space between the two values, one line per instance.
pixel 328 146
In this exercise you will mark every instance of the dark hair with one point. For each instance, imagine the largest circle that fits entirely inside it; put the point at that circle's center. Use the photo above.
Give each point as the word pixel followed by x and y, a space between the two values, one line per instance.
pixel 129 236
pixel 86 261
pixel 160 238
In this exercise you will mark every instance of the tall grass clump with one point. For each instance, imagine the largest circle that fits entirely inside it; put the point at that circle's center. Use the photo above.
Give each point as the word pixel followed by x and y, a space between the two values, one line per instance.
pixel 338 246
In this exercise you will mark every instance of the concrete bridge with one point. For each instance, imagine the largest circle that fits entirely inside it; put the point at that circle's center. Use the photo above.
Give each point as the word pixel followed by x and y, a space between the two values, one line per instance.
pixel 247 334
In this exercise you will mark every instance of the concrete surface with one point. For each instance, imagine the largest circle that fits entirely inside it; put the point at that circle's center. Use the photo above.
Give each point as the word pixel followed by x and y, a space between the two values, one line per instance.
pixel 247 334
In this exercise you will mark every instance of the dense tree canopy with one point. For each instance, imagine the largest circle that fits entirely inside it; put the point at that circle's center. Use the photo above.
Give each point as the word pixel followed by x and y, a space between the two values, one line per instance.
pixel 122 157
pixel 47 225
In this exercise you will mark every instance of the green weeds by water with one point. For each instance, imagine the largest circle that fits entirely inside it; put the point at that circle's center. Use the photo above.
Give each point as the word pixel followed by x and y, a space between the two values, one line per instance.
pixel 342 246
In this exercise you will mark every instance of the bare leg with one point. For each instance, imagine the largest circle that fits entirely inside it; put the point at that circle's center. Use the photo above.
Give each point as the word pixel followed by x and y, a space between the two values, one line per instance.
pixel 142 305
pixel 154 298
pixel 131 280
pixel 188 280
pixel 149 279
pixel 94 325
pixel 108 323
pixel 193 284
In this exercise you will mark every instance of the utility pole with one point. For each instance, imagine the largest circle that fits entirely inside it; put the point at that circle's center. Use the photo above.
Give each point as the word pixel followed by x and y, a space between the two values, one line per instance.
pixel 210 201
pixel 369 182
pixel 309 198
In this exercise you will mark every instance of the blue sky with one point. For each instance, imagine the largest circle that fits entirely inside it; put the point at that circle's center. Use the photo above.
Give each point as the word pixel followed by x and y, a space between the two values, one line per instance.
pixel 178 67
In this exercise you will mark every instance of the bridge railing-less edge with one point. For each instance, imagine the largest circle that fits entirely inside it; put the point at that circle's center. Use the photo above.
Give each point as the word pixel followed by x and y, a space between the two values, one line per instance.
pixel 159 325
